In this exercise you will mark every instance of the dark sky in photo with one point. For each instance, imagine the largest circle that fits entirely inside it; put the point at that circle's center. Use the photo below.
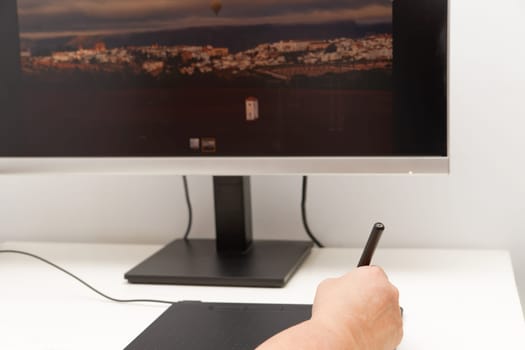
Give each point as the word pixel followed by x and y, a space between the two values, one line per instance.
pixel 50 18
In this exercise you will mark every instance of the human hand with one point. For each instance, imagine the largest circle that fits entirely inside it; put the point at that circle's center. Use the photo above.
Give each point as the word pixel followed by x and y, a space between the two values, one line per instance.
pixel 361 309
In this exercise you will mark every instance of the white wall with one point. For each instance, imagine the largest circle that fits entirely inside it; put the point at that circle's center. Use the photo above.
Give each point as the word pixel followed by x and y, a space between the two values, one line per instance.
pixel 479 205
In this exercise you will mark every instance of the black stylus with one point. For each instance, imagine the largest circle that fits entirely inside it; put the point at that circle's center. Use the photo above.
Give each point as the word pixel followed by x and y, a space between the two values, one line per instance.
pixel 370 247
pixel 371 244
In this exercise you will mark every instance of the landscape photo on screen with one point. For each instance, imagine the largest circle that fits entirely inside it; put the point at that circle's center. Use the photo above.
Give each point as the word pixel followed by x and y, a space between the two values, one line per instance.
pixel 207 77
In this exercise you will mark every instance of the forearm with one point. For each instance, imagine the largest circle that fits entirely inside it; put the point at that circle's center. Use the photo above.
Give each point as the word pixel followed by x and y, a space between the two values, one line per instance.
pixel 310 335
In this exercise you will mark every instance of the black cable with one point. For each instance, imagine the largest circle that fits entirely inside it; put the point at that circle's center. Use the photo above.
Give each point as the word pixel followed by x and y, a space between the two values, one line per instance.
pixel 303 214
pixel 303 211
pixel 10 251
pixel 190 211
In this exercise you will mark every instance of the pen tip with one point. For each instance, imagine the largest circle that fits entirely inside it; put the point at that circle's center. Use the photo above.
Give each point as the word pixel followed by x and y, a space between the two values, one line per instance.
pixel 379 225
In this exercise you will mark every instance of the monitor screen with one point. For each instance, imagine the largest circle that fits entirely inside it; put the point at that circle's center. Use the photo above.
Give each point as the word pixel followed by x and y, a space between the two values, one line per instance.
pixel 224 78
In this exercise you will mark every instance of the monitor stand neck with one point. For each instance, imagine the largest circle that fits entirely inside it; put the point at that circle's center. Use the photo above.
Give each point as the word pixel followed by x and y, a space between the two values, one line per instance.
pixel 233 214
pixel 233 258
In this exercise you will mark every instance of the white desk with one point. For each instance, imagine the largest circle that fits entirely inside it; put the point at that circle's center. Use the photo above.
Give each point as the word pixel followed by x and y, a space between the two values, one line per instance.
pixel 452 299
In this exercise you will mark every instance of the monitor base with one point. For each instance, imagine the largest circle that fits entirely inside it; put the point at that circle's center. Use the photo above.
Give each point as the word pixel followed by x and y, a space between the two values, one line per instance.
pixel 196 262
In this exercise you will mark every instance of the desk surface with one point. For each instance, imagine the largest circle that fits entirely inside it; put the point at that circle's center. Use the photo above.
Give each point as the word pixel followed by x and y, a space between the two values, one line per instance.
pixel 453 299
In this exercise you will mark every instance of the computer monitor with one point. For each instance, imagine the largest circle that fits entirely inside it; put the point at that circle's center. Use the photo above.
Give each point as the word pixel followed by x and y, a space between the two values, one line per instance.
pixel 224 87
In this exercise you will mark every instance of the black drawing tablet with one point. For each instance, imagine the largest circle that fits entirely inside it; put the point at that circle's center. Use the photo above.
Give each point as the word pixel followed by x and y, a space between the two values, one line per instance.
pixel 218 326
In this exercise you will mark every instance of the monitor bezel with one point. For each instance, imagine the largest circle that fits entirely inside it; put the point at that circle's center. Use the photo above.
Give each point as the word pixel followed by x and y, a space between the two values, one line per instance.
pixel 229 166
pixel 244 165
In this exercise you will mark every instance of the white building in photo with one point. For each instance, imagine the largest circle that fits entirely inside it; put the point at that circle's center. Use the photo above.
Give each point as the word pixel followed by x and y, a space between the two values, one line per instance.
pixel 252 109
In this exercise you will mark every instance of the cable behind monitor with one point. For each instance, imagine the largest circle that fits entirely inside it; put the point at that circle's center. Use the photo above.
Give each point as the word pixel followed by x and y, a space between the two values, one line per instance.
pixel 304 216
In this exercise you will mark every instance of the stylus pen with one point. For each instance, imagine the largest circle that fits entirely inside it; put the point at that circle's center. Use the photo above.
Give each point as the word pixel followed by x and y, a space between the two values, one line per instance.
pixel 370 247
pixel 371 244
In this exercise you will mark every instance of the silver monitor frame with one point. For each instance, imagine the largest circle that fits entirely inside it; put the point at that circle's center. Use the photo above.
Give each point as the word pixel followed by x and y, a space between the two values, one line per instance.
pixel 229 166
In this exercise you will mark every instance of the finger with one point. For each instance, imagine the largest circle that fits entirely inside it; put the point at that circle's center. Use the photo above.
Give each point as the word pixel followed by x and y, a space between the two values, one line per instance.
pixel 375 270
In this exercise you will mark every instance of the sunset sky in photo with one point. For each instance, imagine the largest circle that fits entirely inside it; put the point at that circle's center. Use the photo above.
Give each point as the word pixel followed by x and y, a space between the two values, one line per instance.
pixel 49 18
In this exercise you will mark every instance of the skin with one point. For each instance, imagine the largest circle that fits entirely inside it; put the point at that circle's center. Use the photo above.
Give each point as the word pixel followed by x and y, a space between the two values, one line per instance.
pixel 358 311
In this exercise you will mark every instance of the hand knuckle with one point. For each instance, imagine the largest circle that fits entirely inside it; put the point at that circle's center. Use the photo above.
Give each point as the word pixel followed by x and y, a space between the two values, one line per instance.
pixel 378 272
pixel 394 291
pixel 378 269
pixel 325 284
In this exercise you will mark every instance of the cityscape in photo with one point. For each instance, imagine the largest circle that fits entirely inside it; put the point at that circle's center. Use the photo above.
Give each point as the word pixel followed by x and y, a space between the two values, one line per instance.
pixel 207 77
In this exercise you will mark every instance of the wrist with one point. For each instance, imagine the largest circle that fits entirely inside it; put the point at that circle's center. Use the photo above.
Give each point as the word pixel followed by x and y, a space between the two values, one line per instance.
pixel 336 335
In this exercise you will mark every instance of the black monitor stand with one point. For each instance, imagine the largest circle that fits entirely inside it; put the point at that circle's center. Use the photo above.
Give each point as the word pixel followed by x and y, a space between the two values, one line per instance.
pixel 233 258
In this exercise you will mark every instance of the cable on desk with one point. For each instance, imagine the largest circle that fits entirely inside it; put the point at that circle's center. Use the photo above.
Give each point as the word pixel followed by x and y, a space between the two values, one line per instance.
pixel 303 214
pixel 190 210
pixel 10 251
